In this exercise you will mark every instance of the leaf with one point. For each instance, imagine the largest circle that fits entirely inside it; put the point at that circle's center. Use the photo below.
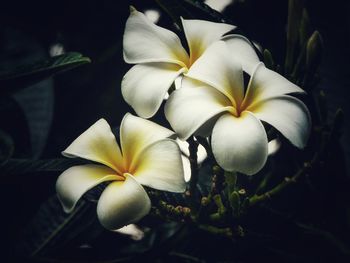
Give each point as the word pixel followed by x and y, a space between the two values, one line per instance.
pixel 26 75
pixel 190 9
pixel 327 236
pixel 28 166
pixel 13 122
pixel 6 147
pixel 208 11
pixel 37 104
pixel 295 8
pixel 52 228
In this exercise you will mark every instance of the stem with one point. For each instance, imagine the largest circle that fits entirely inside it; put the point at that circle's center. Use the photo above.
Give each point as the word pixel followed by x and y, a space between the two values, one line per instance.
pixel 193 147
pixel 218 201
pixel 286 182
pixel 216 230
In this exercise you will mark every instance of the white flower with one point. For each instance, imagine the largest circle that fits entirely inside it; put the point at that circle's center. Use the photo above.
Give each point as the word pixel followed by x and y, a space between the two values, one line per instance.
pixel 145 156
pixel 233 115
pixel 161 58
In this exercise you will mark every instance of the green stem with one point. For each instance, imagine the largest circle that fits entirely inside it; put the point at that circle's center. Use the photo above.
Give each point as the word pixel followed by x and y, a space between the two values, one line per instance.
pixel 216 230
pixel 218 201
pixel 255 199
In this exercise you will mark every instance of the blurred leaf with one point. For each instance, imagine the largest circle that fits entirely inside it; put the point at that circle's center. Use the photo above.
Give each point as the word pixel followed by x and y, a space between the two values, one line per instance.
pixel 37 103
pixel 295 9
pixel 175 10
pixel 327 236
pixel 13 122
pixel 314 51
pixel 190 9
pixel 29 74
pixel 304 30
pixel 6 147
pixel 52 228
pixel 26 166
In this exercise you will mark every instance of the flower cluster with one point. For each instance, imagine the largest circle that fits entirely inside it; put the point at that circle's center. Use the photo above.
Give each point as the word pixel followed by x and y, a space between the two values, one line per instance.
pixel 210 100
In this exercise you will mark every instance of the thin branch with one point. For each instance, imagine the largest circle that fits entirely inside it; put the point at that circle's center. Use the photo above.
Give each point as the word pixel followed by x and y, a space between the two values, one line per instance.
pixel 255 199
pixel 193 147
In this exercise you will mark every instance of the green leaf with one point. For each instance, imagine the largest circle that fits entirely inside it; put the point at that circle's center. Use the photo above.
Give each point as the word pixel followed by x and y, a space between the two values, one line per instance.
pixel 314 50
pixel 52 228
pixel 26 75
pixel 304 30
pixel 28 166
pixel 190 9
pixel 206 10
pixel 37 104
pixel 6 147
pixel 295 9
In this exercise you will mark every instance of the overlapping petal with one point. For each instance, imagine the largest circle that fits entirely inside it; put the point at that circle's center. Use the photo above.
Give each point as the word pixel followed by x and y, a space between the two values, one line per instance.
pixel 136 134
pixel 201 34
pixel 218 69
pixel 265 84
pixel 288 115
pixel 242 51
pixel 122 203
pixel 195 104
pixel 97 144
pixel 240 144
pixel 144 86
pixel 160 166
pixel 145 42
pixel 155 161
pixel 77 180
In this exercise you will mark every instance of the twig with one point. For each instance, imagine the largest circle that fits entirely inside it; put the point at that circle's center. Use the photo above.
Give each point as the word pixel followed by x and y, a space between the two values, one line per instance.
pixel 255 199
pixel 193 147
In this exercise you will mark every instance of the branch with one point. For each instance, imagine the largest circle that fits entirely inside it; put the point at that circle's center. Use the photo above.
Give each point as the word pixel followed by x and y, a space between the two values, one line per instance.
pixel 255 199
pixel 193 147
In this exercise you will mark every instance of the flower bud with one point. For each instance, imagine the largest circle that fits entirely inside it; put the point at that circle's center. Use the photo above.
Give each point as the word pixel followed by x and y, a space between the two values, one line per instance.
pixel 314 50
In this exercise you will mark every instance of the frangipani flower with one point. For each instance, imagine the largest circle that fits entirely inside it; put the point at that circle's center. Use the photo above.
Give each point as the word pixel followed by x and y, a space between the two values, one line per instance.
pixel 239 141
pixel 161 58
pixel 145 156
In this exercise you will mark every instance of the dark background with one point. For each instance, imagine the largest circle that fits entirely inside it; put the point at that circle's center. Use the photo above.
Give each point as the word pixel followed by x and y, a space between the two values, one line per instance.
pixel 71 102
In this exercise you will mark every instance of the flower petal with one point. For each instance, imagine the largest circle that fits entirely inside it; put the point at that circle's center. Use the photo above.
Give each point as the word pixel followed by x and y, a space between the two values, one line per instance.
pixel 133 231
pixel 240 144
pixel 288 115
pixel 144 42
pixel 187 168
pixel 265 84
pixel 273 146
pixel 160 166
pixel 136 134
pixel 145 86
pixel 200 34
pixel 201 152
pixel 242 51
pixel 216 68
pixel 77 180
pixel 97 144
pixel 122 203
pixel 192 106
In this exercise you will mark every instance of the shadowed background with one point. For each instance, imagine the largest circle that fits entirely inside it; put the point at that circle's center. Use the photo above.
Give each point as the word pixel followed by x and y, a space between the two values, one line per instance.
pixel 71 102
